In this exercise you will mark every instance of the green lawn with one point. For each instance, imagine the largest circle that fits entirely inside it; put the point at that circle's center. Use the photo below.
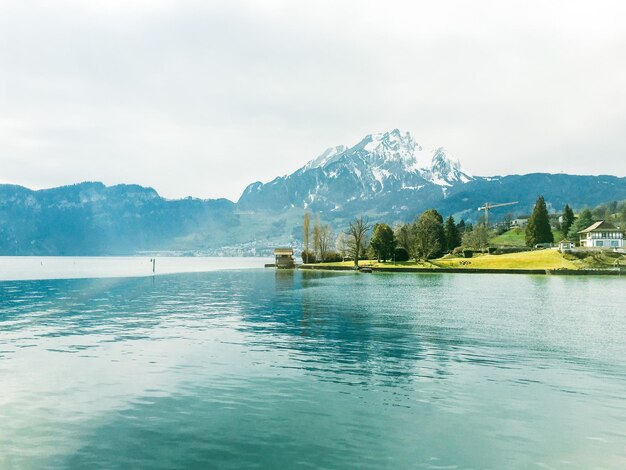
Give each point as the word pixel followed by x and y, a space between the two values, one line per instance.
pixel 539 259
pixel 515 237
pixel 375 264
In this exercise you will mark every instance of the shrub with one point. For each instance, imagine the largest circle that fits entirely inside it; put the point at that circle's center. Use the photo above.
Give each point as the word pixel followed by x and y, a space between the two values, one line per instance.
pixel 581 254
pixel 502 250
pixel 308 256
pixel 468 253
pixel 491 250
pixel 332 257
pixel 400 254
pixel 457 251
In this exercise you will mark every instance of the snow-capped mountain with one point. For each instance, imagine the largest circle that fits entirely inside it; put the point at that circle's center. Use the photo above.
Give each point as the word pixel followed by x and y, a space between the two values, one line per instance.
pixel 379 167
pixel 445 170
pixel 385 177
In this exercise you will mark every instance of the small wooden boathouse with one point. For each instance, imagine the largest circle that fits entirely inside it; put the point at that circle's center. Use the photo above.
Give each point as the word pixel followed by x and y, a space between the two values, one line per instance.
pixel 284 258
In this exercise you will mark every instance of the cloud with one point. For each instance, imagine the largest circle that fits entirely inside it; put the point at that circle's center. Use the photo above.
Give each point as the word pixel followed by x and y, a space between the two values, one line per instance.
pixel 202 98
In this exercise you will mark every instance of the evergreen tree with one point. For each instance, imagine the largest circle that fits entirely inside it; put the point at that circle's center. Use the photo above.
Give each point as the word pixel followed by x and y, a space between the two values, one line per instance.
pixel 461 227
pixel 538 229
pixel 584 220
pixel 451 232
pixel 568 219
pixel 383 242
pixel 401 254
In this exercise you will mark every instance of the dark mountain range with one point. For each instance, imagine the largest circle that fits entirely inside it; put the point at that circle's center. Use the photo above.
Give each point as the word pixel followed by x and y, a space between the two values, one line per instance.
pixel 388 177
pixel 91 218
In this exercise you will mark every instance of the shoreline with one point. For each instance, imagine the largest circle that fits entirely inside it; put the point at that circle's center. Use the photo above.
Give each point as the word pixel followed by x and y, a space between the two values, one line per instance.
pixel 545 272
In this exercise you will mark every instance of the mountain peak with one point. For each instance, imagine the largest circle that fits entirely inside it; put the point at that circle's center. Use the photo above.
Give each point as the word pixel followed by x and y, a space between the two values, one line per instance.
pixel 394 149
pixel 328 156
pixel 443 161
pixel 390 154
pixel 379 164
pixel 445 169
pixel 393 144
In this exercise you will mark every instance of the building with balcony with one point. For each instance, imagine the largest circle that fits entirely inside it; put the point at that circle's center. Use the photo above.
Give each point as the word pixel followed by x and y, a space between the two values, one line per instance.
pixel 602 235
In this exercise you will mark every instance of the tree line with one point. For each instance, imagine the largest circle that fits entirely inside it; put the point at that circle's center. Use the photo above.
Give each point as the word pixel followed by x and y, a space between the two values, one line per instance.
pixel 539 229
pixel 429 236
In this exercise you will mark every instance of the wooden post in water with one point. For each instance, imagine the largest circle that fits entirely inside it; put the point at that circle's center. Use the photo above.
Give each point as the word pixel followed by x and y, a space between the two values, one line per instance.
pixel 153 264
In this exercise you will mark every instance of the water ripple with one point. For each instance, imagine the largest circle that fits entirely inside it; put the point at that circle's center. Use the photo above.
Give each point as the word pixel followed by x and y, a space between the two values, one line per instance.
pixel 328 370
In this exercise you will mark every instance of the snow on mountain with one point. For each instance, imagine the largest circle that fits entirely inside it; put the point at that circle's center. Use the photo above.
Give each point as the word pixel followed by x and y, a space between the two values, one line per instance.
pixel 327 157
pixel 391 154
pixel 445 170
pixel 388 163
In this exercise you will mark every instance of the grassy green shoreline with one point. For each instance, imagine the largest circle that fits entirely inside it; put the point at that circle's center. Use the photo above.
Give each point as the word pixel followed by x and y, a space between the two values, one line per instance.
pixel 549 261
pixel 563 272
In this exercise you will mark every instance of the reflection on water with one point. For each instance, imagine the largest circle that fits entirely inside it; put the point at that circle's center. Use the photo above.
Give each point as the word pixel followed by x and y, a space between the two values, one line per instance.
pixel 289 369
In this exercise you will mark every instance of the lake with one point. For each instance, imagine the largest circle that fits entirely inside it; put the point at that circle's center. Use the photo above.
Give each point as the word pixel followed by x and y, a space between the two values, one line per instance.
pixel 79 267
pixel 257 368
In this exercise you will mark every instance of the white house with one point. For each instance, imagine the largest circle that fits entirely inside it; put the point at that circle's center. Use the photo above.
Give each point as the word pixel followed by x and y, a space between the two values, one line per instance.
pixel 519 223
pixel 602 234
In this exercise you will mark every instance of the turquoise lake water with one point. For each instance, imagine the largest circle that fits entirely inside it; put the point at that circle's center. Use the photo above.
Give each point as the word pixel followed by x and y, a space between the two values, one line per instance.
pixel 264 369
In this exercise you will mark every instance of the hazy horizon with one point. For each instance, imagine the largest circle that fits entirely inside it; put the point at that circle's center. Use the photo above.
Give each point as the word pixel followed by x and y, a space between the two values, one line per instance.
pixel 201 99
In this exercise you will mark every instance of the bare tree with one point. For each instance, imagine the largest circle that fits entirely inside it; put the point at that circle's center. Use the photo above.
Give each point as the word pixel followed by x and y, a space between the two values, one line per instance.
pixel 405 236
pixel 478 238
pixel 507 219
pixel 316 237
pixel 307 232
pixel 325 240
pixel 341 244
pixel 357 235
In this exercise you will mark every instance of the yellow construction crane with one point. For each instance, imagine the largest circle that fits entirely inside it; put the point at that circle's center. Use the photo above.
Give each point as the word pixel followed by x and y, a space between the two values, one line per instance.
pixel 488 206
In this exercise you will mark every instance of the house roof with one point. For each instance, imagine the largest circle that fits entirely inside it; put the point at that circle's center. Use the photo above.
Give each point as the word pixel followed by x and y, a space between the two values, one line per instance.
pixel 565 240
pixel 283 251
pixel 600 225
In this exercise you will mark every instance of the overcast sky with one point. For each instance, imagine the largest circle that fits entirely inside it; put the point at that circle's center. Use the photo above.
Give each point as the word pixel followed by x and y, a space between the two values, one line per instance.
pixel 203 98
